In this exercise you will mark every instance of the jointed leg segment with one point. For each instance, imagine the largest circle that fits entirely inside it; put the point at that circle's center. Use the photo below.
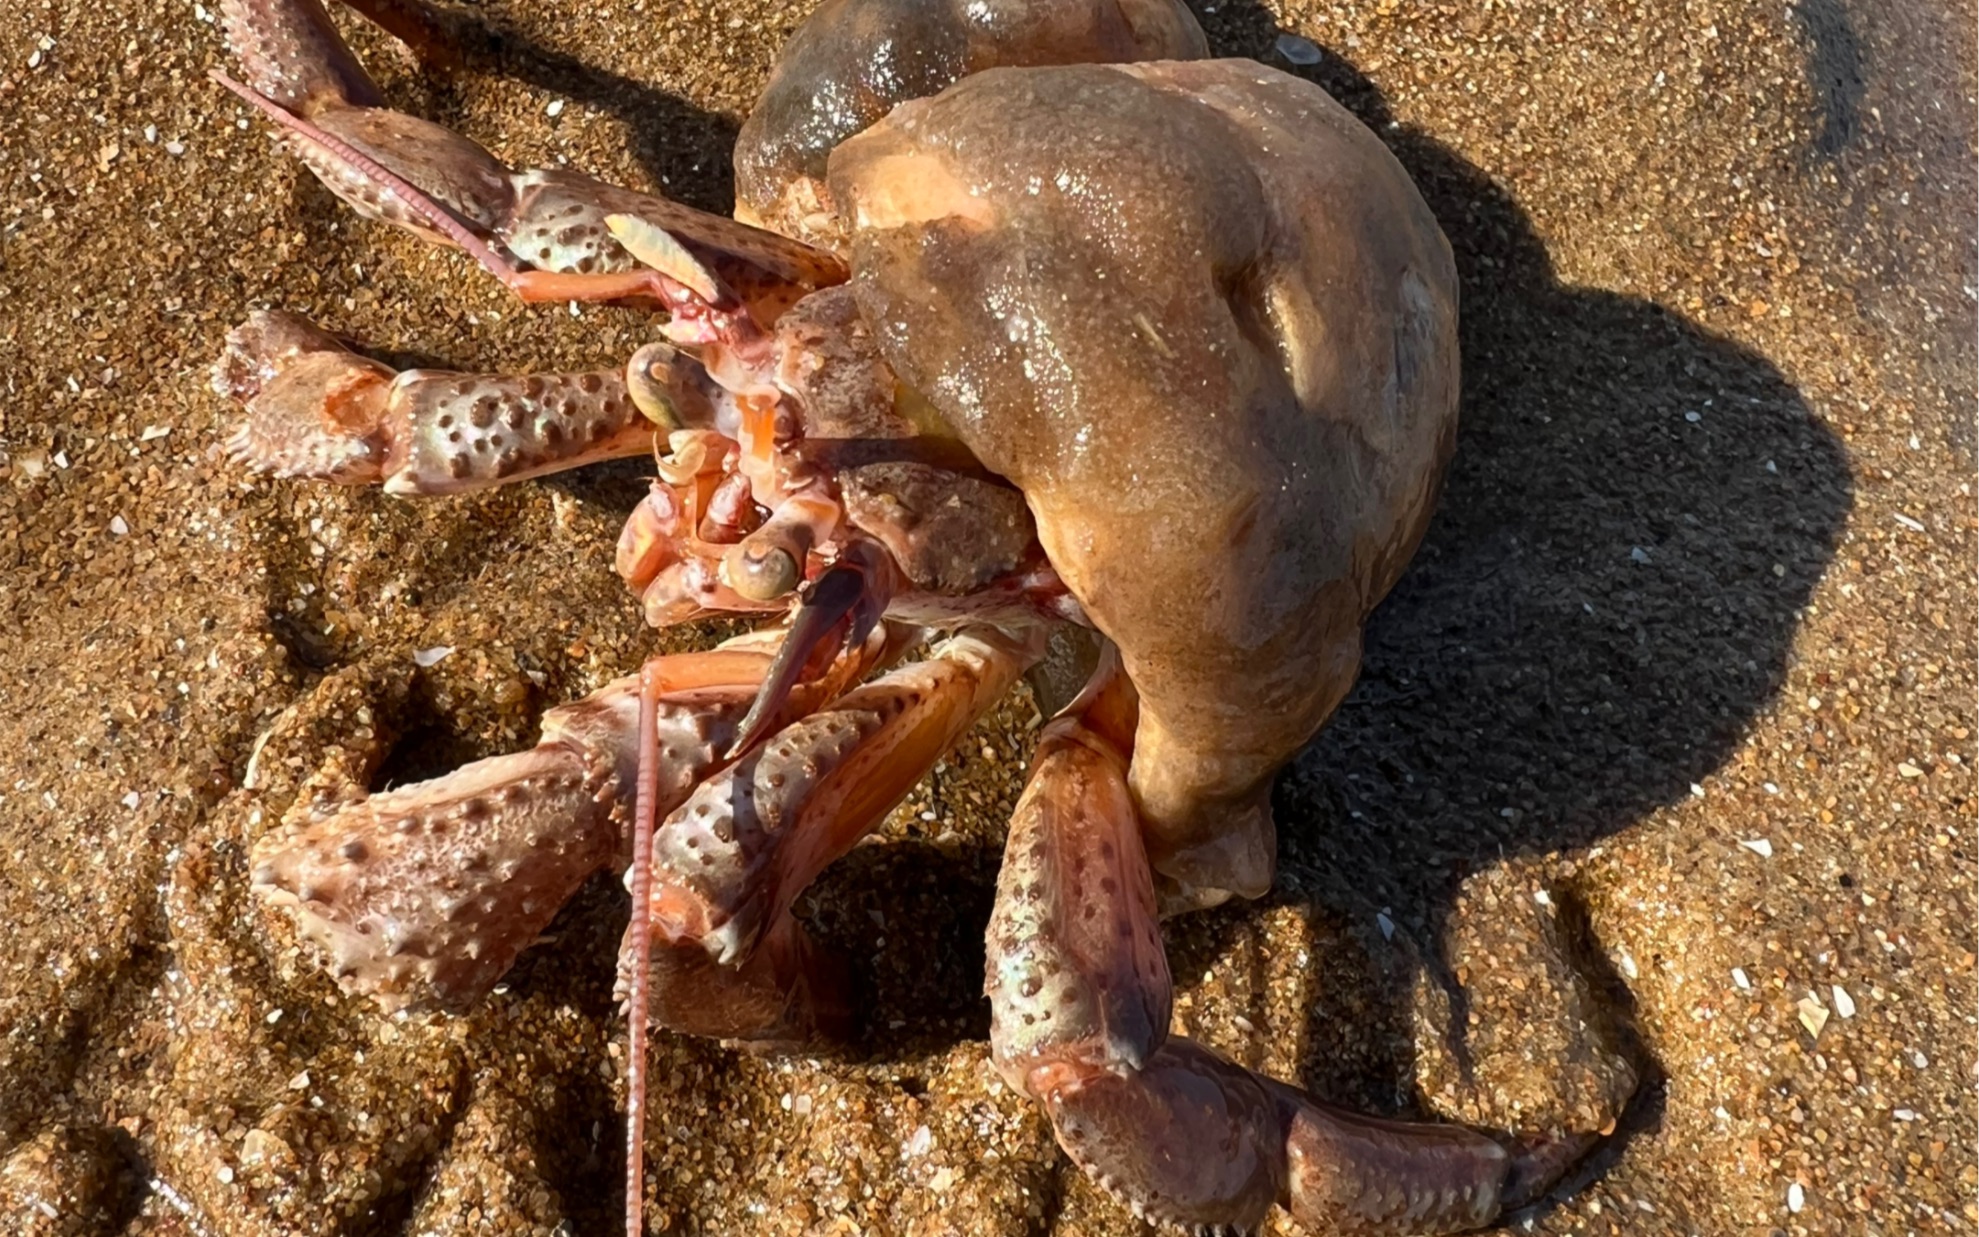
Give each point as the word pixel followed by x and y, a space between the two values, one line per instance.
pixel 1080 997
pixel 317 409
pixel 547 234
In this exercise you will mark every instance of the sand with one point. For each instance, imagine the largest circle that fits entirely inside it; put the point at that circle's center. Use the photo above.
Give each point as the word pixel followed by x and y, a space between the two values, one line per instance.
pixel 1680 686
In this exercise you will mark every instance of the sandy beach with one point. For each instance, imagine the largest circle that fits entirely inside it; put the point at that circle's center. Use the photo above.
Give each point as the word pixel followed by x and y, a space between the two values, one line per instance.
pixel 1665 742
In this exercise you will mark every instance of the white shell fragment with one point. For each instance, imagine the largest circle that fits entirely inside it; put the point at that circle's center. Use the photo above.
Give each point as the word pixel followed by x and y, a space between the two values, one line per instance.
pixel 424 658
pixel 1844 1003
pixel 1813 1014
pixel 1759 846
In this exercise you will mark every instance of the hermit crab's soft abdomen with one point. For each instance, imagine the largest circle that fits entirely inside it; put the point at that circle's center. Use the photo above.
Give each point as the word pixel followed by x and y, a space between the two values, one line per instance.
pixel 853 61
pixel 1202 318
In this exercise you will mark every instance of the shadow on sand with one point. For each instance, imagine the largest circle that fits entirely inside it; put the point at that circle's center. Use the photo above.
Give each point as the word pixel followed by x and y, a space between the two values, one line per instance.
pixel 1636 513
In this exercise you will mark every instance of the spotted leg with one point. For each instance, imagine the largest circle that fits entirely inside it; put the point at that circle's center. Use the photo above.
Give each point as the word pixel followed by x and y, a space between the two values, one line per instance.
pixel 392 166
pixel 730 859
pixel 424 895
pixel 317 409
pixel 1080 1000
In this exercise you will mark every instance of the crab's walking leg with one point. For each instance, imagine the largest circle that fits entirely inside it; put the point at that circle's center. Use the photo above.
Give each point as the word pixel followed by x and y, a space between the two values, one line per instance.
pixel 1080 998
pixel 728 862
pixel 398 168
pixel 712 948
pixel 317 409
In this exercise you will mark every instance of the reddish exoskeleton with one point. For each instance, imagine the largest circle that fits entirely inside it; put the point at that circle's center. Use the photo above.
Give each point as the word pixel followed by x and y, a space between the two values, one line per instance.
pixel 1164 349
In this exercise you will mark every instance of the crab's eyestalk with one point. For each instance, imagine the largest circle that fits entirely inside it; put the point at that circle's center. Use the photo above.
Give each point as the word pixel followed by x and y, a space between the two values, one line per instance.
pixel 761 573
pixel 654 246
pixel 769 563
pixel 670 388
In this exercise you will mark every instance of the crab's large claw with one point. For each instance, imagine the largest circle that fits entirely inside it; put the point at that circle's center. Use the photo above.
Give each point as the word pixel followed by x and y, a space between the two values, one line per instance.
pixel 1079 1007
pixel 712 947
pixel 392 166
pixel 730 859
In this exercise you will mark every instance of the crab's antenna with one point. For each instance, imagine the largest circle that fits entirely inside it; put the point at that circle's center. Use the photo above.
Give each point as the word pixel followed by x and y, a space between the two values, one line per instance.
pixel 409 195
pixel 652 685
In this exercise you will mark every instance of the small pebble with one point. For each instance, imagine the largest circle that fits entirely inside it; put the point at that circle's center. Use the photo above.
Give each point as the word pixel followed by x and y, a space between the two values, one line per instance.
pixel 1844 1003
pixel 1813 1014
pixel 1381 921
pixel 1296 50
pixel 1738 977
pixel 131 800
pixel 555 108
pixel 1796 1198
pixel 261 1147
pixel 118 527
pixel 1759 846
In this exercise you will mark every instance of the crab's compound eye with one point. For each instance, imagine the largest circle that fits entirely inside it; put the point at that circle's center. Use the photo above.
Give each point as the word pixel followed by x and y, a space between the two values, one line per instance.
pixel 649 378
pixel 760 574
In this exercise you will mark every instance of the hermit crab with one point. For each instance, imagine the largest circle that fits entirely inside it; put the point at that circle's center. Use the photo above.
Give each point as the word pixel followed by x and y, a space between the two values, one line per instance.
pixel 1061 325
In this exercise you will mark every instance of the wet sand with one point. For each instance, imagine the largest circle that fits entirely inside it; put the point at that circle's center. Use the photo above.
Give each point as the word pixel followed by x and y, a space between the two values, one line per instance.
pixel 1689 652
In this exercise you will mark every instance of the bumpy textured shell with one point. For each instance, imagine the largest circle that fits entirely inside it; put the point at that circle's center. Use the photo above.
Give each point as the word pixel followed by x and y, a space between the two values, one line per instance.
pixel 853 60
pixel 1202 318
